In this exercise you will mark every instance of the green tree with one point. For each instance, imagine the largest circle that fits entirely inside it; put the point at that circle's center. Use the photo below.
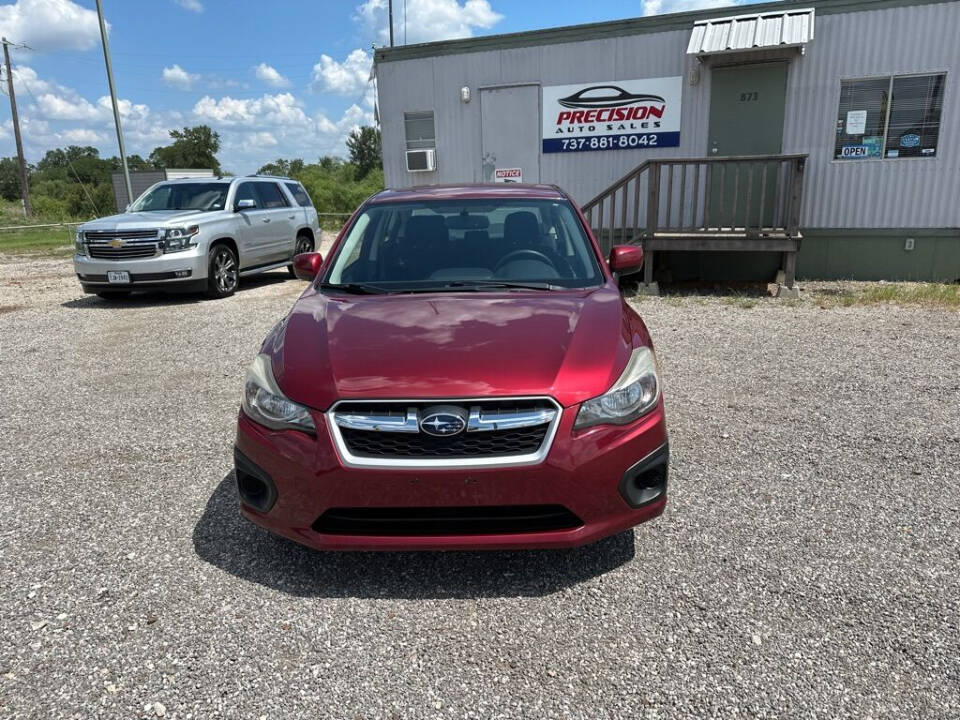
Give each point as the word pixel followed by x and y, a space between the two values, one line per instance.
pixel 10 178
pixel 330 162
pixel 287 168
pixel 74 164
pixel 365 151
pixel 192 147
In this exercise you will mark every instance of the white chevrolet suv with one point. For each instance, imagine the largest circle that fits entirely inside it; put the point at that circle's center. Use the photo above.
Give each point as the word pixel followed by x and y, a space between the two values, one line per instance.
pixel 197 235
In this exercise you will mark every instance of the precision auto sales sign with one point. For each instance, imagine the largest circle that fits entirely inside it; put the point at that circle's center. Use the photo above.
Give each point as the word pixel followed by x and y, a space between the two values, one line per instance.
pixel 615 115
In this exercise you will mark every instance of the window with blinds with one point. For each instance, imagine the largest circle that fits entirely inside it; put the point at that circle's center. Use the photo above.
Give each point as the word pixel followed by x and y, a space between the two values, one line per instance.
pixel 419 130
pixel 889 117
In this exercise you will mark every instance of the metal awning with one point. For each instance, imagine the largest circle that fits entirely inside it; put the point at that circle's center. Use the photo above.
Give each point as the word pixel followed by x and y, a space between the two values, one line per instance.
pixel 761 31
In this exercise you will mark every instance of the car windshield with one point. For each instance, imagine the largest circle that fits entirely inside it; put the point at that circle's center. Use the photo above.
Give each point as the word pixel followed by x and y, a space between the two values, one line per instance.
pixel 438 245
pixel 183 196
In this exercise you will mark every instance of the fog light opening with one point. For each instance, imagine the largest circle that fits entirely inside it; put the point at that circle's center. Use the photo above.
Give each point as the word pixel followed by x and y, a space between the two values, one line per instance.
pixel 646 482
pixel 254 486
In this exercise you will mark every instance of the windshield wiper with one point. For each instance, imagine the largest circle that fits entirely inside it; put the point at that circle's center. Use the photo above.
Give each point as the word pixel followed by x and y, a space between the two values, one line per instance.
pixel 354 288
pixel 496 285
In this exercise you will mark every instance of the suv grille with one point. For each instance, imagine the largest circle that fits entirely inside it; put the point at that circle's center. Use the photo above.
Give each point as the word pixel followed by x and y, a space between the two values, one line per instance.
pixel 129 252
pixel 136 244
pixel 502 429
pixel 483 520
pixel 94 235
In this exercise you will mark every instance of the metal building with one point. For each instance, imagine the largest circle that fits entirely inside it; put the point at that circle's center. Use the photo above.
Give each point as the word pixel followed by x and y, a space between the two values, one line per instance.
pixel 830 127
pixel 143 180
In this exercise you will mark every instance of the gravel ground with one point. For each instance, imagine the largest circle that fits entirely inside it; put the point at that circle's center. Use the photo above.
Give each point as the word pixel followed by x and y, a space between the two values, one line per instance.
pixel 807 565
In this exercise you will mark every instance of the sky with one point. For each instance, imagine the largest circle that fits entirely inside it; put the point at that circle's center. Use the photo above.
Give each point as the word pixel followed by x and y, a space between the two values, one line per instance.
pixel 284 78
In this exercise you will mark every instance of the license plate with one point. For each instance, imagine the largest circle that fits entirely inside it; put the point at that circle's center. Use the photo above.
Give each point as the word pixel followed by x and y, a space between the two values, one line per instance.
pixel 118 277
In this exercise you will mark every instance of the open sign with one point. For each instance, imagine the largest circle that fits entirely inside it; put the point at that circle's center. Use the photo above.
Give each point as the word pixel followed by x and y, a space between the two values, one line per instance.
pixel 854 151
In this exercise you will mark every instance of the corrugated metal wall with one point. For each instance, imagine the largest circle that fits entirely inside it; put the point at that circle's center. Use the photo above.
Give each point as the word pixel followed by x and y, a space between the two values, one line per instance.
pixel 920 192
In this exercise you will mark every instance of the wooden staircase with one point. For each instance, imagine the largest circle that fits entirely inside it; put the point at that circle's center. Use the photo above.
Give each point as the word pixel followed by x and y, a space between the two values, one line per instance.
pixel 743 203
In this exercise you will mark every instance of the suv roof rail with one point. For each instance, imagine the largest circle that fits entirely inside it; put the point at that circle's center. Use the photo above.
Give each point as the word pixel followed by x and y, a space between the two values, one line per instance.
pixel 275 177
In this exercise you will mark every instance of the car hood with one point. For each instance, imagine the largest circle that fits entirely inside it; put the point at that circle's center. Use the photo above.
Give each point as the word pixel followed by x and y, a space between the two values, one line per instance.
pixel 568 345
pixel 156 218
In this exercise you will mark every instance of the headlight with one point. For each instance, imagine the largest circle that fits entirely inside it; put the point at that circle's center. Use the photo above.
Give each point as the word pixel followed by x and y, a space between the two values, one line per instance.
pixel 633 395
pixel 263 401
pixel 177 239
pixel 78 245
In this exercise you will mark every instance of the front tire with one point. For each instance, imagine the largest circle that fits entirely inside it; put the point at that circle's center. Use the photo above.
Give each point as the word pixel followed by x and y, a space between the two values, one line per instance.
pixel 223 272
pixel 303 245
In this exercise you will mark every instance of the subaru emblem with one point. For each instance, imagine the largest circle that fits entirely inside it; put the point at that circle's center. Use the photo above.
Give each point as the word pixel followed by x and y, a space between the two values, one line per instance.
pixel 443 420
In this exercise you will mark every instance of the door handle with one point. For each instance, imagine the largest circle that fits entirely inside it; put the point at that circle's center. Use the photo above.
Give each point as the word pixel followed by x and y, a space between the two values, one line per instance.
pixel 266 219
pixel 292 217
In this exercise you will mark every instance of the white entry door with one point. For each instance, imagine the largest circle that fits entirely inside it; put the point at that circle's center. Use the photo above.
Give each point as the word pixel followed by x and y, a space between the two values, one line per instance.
pixel 510 132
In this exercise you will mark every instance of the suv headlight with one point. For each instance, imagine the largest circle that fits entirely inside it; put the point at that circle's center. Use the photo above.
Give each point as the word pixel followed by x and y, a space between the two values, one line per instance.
pixel 78 245
pixel 265 403
pixel 635 394
pixel 177 239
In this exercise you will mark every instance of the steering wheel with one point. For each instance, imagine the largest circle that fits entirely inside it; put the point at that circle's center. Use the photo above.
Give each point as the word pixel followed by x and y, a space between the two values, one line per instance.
pixel 531 254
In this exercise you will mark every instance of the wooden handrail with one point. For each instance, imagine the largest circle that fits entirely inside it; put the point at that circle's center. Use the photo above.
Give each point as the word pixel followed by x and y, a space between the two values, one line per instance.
pixel 738 196
pixel 616 186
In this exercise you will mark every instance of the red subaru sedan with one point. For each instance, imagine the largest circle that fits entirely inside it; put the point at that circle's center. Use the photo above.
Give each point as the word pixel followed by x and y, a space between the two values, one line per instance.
pixel 461 373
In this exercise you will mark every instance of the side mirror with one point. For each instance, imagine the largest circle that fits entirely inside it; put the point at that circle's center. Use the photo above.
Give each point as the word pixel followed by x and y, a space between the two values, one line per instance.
pixel 245 204
pixel 626 259
pixel 307 265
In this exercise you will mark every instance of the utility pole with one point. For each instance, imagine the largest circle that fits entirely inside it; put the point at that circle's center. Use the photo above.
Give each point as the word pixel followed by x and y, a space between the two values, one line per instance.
pixel 390 14
pixel 24 187
pixel 113 98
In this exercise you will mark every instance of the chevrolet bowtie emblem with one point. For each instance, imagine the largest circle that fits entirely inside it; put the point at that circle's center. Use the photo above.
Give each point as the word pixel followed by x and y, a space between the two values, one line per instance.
pixel 117 243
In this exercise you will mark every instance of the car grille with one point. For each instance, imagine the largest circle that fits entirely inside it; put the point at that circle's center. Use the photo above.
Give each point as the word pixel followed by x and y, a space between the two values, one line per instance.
pixel 496 443
pixel 473 520
pixel 137 244
pixel 495 429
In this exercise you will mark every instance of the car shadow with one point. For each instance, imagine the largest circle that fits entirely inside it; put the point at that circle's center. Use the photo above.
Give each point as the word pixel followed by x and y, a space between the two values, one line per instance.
pixel 161 299
pixel 227 540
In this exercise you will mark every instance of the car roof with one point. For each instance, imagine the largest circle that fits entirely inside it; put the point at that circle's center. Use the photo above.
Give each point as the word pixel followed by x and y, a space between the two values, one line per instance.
pixel 474 191
pixel 231 178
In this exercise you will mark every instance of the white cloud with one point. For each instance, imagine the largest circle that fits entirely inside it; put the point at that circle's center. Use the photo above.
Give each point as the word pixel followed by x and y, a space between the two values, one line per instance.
pixel 27 78
pixel 191 5
pixel 57 107
pixel 177 77
pixel 262 139
pixel 428 20
pixel 279 109
pixel 661 7
pixel 347 78
pixel 127 109
pixel 50 24
pixel 269 75
pixel 82 135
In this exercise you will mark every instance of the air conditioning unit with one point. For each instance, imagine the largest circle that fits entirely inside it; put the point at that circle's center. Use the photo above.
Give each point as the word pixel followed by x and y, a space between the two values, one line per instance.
pixel 422 160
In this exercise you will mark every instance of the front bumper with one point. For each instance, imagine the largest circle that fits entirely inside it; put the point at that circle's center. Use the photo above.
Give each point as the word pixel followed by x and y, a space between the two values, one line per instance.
pixel 587 474
pixel 182 271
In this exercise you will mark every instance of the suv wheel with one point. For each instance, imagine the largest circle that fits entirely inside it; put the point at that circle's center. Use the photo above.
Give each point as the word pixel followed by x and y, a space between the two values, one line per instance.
pixel 223 274
pixel 304 245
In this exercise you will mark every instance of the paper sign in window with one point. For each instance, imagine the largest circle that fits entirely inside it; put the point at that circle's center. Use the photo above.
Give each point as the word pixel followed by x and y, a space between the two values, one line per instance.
pixel 856 122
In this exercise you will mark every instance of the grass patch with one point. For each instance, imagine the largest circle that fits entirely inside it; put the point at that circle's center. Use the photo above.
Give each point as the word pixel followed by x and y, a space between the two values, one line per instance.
pixel 56 241
pixel 741 301
pixel 933 295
